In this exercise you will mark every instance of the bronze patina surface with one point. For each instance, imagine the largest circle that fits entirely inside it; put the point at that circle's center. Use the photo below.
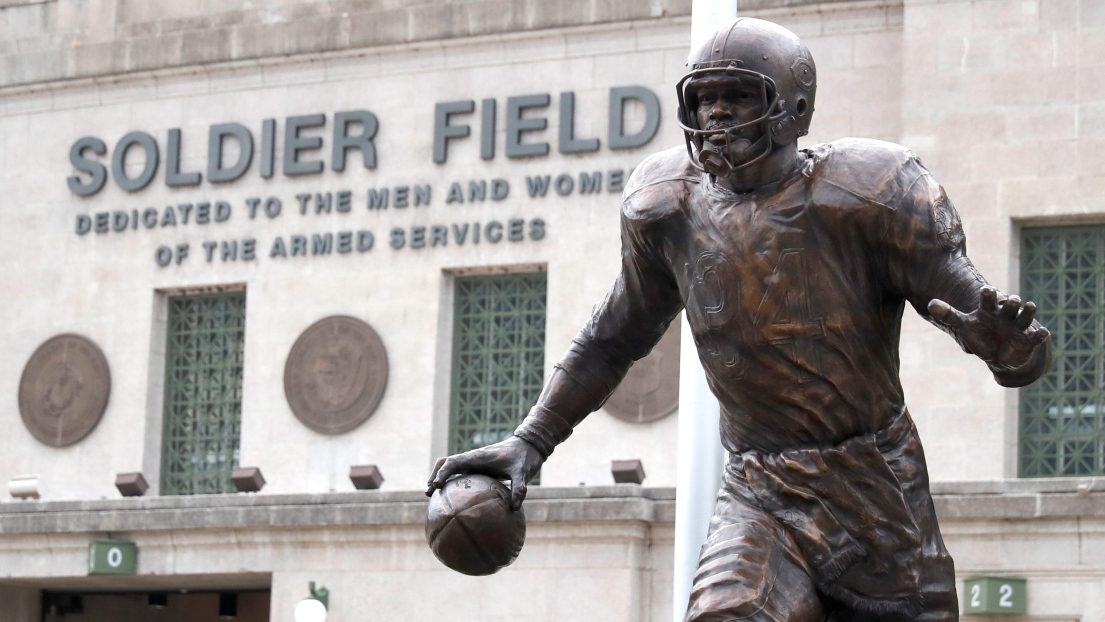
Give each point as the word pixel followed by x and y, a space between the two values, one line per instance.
pixel 650 390
pixel 471 527
pixel 336 374
pixel 64 390
pixel 794 268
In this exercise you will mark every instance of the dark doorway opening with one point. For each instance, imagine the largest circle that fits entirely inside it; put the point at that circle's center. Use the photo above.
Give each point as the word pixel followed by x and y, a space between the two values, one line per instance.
pixel 156 606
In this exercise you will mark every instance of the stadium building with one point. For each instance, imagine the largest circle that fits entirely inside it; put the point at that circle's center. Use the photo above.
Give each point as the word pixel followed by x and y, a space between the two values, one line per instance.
pixel 263 262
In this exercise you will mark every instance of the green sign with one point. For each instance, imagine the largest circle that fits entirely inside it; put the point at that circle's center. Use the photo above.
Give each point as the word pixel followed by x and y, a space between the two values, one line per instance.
pixel 112 557
pixel 994 595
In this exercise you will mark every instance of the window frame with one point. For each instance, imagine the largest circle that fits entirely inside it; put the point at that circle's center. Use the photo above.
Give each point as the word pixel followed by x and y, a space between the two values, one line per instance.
pixel 1043 439
pixel 533 367
pixel 202 482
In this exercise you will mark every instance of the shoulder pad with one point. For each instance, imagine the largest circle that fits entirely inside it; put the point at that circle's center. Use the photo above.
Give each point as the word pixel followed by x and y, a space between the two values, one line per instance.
pixel 854 172
pixel 658 186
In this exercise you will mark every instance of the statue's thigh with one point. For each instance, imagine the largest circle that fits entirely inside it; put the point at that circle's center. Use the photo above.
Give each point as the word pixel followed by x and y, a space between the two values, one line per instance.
pixel 748 570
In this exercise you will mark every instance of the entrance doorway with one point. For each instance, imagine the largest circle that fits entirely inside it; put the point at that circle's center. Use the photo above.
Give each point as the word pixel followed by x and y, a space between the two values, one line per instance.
pixel 243 597
pixel 161 606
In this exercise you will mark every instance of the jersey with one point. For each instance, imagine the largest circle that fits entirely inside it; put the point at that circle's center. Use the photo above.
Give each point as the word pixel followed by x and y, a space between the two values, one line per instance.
pixel 794 293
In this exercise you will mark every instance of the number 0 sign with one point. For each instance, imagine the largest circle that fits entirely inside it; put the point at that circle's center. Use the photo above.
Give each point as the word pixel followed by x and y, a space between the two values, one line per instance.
pixel 112 557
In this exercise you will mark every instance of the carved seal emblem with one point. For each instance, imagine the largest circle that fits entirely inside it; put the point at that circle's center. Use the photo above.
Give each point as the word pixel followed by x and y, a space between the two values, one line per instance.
pixel 336 374
pixel 650 391
pixel 64 390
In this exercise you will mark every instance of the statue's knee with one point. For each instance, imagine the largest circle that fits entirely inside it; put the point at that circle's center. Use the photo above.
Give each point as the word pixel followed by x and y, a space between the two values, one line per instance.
pixel 755 586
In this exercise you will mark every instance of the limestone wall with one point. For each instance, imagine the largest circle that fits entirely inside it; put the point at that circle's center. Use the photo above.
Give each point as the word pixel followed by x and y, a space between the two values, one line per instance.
pixel 60 39
pixel 1004 102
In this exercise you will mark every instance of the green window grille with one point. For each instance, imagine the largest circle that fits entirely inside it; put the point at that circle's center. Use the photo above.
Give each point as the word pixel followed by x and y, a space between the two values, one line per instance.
pixel 498 356
pixel 1062 415
pixel 203 393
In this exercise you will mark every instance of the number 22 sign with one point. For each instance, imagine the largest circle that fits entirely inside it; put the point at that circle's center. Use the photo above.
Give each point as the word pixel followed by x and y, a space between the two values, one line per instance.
pixel 995 595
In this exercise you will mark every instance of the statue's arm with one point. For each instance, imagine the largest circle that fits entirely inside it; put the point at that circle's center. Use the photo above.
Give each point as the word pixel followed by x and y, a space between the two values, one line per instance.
pixel 624 327
pixel 928 264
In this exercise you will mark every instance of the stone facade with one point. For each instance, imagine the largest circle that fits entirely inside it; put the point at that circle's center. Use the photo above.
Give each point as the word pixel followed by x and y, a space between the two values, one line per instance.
pixel 1002 99
pixel 405 292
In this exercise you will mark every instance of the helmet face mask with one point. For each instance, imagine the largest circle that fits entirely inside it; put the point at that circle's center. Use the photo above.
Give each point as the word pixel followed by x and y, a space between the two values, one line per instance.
pixel 754 52
pixel 718 160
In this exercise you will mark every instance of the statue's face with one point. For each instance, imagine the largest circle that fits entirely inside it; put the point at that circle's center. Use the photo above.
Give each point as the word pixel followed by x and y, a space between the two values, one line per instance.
pixel 728 102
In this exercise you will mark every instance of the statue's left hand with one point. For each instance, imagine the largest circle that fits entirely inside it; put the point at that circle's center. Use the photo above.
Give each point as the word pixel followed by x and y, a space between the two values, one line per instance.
pixel 514 459
pixel 999 331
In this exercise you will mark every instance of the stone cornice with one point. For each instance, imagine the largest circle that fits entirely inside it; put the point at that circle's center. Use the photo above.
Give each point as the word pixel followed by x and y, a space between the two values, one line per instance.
pixel 57 40
pixel 366 508
pixel 1018 500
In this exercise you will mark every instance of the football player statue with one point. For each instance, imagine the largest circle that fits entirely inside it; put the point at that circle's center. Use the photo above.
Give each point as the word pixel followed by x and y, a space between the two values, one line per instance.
pixel 794 267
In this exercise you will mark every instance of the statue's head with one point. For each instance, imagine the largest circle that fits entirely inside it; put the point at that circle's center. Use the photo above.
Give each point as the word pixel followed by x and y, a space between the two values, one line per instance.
pixel 748 89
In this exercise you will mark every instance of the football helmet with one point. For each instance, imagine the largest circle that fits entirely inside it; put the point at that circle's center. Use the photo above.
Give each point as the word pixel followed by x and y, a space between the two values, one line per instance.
pixel 777 61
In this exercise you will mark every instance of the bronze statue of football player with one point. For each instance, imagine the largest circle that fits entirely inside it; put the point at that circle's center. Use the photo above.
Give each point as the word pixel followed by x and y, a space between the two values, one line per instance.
pixel 794 267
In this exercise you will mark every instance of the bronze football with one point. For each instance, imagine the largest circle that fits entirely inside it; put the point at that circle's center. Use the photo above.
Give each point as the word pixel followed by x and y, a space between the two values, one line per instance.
pixel 471 528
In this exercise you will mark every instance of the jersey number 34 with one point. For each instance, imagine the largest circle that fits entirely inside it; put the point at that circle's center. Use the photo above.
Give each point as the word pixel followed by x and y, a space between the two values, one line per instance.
pixel 783 318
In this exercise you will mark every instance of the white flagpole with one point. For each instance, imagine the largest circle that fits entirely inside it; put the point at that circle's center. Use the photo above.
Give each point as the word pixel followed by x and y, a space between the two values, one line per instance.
pixel 700 455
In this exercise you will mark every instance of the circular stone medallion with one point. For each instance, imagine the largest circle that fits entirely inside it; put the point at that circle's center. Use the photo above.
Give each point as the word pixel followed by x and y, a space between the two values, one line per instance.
pixel 64 389
pixel 650 391
pixel 336 374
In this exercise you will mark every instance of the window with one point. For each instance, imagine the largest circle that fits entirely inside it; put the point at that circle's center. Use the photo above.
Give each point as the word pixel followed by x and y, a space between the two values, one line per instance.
pixel 1062 415
pixel 498 356
pixel 203 392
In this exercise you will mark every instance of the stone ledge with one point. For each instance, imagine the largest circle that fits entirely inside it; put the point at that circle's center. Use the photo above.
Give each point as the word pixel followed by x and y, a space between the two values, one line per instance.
pixel 352 497
pixel 361 508
pixel 1020 506
pixel 5 4
pixel 751 6
pixel 1022 500
pixel 1021 486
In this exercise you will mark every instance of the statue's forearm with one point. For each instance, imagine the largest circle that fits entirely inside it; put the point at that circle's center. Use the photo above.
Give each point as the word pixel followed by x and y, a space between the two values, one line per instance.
pixel 959 284
pixel 578 386
pixel 546 428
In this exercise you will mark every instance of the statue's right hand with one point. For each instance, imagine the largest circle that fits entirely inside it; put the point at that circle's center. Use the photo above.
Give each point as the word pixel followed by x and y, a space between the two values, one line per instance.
pixel 513 459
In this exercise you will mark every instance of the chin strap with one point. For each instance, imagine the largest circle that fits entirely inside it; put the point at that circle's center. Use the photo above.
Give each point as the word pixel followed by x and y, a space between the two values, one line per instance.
pixel 717 163
pixel 714 163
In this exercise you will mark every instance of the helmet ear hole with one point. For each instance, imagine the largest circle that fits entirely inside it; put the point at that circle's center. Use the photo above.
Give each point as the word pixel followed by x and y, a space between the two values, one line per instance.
pixel 801 106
